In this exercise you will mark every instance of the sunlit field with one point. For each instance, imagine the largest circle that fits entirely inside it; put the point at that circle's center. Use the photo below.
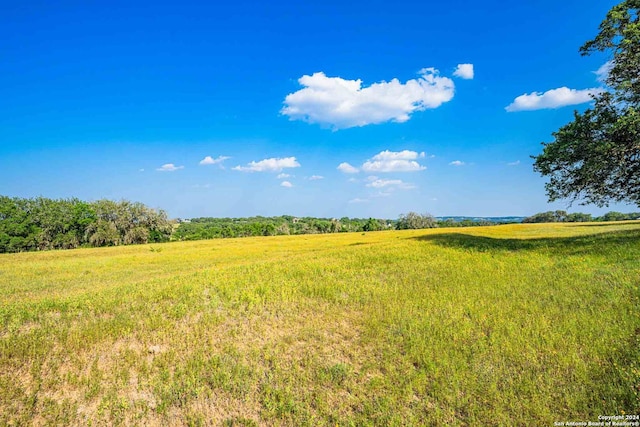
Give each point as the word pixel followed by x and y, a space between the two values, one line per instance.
pixel 525 324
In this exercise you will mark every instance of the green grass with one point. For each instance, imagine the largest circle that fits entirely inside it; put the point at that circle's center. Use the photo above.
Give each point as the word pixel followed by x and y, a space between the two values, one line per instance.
pixel 506 325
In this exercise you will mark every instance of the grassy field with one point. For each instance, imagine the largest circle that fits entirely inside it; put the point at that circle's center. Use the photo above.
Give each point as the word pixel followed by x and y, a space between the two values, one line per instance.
pixel 505 325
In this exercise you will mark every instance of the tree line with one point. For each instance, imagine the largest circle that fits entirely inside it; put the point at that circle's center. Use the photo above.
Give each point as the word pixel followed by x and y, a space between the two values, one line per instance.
pixel 42 224
pixel 563 216
pixel 212 228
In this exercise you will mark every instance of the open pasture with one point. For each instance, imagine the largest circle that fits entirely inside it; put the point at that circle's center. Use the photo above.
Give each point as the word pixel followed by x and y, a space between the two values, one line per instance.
pixel 504 325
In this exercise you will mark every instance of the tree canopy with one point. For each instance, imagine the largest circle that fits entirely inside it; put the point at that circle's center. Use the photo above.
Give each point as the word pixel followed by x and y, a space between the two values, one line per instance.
pixel 41 224
pixel 596 157
pixel 414 220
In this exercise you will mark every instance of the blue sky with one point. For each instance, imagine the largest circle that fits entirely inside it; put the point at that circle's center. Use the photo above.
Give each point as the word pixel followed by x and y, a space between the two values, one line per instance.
pixel 306 108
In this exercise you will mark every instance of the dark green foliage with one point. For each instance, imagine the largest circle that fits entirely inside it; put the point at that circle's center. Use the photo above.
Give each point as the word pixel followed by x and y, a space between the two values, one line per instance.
pixel 42 224
pixel 562 216
pixel 212 228
pixel 578 217
pixel 620 35
pixel 62 223
pixel 18 229
pixel 596 157
pixel 372 225
pixel 468 222
pixel 550 216
pixel 618 216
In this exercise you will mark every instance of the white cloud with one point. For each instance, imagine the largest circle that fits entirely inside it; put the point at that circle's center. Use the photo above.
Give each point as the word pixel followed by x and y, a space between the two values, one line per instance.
pixel 398 155
pixel 554 98
pixel 169 167
pixel 315 177
pixel 211 161
pixel 394 161
pixel 516 163
pixel 388 161
pixel 283 175
pixel 391 183
pixel 358 200
pixel 464 71
pixel 457 163
pixel 341 104
pixel 602 73
pixel 286 184
pixel 269 165
pixel 347 168
pixel 392 166
pixel 140 170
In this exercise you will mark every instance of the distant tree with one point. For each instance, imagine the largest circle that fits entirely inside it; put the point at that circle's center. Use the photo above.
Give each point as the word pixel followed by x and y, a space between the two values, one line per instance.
pixel 613 216
pixel 372 225
pixel 125 222
pixel 63 223
pixel 414 220
pixel 269 230
pixel 103 233
pixel 18 230
pixel 323 226
pixel 228 231
pixel 579 217
pixel 283 229
pixel 448 222
pixel 560 216
pixel 549 216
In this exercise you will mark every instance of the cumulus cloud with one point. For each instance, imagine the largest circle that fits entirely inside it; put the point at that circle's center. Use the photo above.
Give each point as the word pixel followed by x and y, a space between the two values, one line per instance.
pixel 554 98
pixel 315 177
pixel 340 103
pixel 347 168
pixel 286 184
pixel 376 182
pixel 398 155
pixel 211 161
pixel 269 165
pixel 169 167
pixel 457 163
pixel 283 175
pixel 394 161
pixel 464 71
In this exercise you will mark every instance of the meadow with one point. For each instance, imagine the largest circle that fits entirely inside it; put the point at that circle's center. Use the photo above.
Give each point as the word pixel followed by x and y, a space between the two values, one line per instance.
pixel 525 324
